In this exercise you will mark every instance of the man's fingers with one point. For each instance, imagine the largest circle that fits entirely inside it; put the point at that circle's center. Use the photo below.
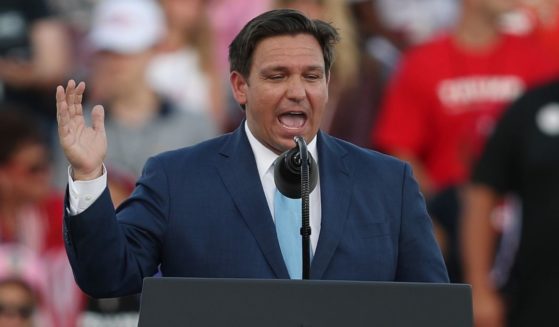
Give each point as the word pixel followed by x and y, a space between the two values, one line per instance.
pixel 98 118
pixel 79 97
pixel 60 94
pixel 61 106
pixel 70 96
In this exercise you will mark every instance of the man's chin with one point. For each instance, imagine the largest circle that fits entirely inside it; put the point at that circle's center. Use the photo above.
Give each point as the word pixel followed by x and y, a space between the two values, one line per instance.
pixel 287 141
pixel 282 146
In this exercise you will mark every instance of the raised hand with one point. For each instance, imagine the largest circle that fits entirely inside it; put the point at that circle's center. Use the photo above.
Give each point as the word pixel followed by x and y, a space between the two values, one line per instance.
pixel 85 147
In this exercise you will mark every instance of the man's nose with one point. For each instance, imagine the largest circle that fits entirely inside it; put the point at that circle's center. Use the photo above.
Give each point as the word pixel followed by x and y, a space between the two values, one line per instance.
pixel 296 90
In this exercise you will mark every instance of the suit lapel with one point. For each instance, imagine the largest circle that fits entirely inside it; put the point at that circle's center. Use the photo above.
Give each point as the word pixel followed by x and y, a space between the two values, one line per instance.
pixel 335 188
pixel 240 175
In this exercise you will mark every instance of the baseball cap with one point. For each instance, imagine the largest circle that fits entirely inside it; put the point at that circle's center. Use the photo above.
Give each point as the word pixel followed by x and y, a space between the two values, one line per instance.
pixel 127 26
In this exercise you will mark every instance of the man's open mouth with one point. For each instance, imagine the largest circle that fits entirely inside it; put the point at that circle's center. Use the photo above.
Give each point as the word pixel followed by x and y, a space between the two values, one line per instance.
pixel 293 120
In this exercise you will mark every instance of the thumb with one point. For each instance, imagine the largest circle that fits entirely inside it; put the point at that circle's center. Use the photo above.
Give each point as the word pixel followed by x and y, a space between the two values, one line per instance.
pixel 98 118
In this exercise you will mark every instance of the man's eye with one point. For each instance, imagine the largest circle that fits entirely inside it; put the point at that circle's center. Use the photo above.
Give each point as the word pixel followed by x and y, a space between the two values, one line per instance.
pixel 313 77
pixel 275 77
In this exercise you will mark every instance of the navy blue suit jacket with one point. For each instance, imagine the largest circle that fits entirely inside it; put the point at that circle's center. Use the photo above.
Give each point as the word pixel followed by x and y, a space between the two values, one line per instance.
pixel 201 212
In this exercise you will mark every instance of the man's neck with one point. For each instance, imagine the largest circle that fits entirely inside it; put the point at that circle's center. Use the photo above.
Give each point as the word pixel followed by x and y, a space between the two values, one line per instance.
pixel 265 156
pixel 477 33
pixel 174 40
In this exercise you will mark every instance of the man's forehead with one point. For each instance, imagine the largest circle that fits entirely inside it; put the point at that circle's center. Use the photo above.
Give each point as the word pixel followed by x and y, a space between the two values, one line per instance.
pixel 291 41
pixel 275 50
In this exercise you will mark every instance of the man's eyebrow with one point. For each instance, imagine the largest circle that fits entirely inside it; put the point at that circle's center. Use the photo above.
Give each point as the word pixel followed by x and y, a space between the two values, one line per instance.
pixel 320 68
pixel 278 68
pixel 273 69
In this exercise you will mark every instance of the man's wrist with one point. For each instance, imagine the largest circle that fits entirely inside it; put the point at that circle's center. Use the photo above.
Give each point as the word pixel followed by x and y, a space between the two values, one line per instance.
pixel 83 193
pixel 86 176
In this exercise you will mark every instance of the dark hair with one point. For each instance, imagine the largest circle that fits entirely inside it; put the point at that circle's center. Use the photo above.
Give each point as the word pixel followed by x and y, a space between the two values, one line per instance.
pixel 17 130
pixel 275 23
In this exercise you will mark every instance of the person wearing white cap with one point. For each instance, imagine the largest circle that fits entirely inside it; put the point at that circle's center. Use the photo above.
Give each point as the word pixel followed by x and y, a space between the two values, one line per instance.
pixel 141 122
pixel 127 26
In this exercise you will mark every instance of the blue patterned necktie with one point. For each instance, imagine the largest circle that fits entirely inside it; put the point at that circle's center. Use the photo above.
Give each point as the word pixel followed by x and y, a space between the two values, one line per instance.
pixel 287 213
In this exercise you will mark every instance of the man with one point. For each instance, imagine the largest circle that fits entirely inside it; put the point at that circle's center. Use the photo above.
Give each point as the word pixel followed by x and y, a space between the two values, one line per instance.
pixel 404 22
pixel 140 122
pixel 30 216
pixel 22 288
pixel 521 157
pixel 208 210
pixel 446 98
pixel 389 27
pixel 35 54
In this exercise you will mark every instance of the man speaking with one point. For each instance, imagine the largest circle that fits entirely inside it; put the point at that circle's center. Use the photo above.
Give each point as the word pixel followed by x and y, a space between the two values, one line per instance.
pixel 212 210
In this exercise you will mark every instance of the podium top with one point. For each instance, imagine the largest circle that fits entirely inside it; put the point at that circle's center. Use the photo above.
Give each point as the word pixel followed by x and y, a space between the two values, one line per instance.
pixel 201 302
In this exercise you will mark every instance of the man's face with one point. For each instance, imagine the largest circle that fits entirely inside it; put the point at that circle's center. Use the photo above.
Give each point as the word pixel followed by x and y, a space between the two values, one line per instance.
pixel 183 14
pixel 496 7
pixel 16 306
pixel 117 75
pixel 27 175
pixel 286 91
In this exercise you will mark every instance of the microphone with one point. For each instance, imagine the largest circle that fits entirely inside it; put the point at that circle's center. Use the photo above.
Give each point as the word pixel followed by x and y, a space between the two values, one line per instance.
pixel 287 170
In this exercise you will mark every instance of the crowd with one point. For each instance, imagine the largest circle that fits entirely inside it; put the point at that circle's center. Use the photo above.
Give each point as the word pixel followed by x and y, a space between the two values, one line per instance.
pixel 466 91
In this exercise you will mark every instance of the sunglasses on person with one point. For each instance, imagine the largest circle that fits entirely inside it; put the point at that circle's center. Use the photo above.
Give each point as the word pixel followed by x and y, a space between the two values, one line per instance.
pixel 22 311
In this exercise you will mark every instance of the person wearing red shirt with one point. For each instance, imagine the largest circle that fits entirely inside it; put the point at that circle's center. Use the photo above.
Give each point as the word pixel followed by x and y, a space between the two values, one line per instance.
pixel 31 214
pixel 447 96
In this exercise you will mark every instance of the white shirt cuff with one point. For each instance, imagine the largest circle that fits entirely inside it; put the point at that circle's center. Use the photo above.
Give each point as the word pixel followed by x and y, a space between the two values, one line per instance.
pixel 83 193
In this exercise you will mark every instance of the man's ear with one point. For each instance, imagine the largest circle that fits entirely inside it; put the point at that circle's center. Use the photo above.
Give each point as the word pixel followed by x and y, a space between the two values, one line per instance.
pixel 239 85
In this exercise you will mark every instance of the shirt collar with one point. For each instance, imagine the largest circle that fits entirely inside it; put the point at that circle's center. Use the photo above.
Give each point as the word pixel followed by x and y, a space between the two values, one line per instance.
pixel 266 157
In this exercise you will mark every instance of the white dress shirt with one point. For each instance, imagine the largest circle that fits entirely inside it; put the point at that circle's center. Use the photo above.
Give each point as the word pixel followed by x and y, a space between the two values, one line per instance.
pixel 83 193
pixel 265 163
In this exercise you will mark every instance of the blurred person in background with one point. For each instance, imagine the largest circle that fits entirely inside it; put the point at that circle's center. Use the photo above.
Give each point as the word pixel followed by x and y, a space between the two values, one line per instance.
pixel 34 55
pixel 227 18
pixel 543 15
pixel 17 304
pixel 140 121
pixel 521 157
pixel 31 213
pixel 389 27
pixel 445 99
pixel 22 288
pixel 74 13
pixel 355 84
pixel 184 65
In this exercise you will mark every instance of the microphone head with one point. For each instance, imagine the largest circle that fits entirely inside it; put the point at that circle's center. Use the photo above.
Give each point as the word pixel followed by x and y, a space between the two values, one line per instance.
pixel 287 173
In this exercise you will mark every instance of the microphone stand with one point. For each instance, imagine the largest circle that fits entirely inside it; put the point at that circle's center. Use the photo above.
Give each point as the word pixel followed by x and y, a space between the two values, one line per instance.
pixel 295 175
pixel 305 191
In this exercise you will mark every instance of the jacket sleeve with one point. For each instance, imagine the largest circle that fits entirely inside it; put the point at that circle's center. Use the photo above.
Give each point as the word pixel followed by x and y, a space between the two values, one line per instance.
pixel 112 251
pixel 419 256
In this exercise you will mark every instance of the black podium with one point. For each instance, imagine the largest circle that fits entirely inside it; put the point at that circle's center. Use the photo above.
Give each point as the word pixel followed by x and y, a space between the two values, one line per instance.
pixel 197 302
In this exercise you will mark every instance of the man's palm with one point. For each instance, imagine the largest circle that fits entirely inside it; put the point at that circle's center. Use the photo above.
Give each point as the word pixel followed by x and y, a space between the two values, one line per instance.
pixel 85 146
